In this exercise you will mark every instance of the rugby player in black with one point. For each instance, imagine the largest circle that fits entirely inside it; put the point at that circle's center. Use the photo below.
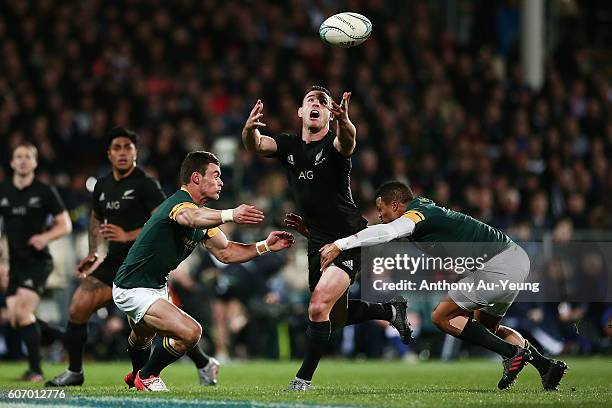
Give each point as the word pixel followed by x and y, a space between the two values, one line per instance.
pixel 123 200
pixel 25 206
pixel 318 166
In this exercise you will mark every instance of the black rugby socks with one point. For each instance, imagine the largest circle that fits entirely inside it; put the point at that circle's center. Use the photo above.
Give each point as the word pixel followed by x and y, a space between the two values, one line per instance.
pixel 477 333
pixel 361 311
pixel 317 338
pixel 31 337
pixel 139 354
pixel 163 355
pixel 74 340
pixel 198 356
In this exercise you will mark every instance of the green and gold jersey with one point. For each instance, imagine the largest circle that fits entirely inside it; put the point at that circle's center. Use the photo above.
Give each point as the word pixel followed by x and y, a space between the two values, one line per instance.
pixel 434 224
pixel 161 246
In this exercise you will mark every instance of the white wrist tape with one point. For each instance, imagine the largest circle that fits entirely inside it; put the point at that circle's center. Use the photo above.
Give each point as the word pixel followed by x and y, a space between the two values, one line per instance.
pixel 262 247
pixel 227 216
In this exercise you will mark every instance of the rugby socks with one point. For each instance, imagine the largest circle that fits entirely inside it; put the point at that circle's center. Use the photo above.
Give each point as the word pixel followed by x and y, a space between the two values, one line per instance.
pixel 75 339
pixel 31 337
pixel 541 363
pixel 360 311
pixel 477 333
pixel 163 355
pixel 317 338
pixel 139 354
pixel 198 356
pixel 48 333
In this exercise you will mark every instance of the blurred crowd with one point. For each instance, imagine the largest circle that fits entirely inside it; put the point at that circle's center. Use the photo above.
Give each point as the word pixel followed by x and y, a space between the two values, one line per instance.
pixel 453 118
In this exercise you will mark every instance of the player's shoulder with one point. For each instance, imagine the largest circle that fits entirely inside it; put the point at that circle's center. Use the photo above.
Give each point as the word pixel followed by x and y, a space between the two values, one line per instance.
pixel 421 208
pixel 143 177
pixel 39 185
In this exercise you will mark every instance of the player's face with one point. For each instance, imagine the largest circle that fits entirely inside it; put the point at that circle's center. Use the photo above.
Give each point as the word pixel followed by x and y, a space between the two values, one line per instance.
pixel 314 112
pixel 210 183
pixel 122 154
pixel 387 212
pixel 24 161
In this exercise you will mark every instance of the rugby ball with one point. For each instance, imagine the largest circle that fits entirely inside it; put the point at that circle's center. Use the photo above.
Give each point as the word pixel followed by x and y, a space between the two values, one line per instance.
pixel 345 30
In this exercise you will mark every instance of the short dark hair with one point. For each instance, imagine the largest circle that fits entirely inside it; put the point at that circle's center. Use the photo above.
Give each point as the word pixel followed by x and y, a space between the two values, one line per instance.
pixel 394 191
pixel 196 161
pixel 120 132
pixel 320 89
pixel 27 145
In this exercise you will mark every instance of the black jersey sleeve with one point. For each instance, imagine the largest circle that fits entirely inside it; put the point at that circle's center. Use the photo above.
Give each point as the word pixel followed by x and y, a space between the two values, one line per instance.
pixel 55 204
pixel 153 195
pixel 282 145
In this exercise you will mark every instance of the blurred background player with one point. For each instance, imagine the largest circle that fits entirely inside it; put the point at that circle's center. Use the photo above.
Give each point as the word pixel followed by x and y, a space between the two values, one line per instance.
pixel 318 166
pixel 25 206
pixel 404 215
pixel 122 201
pixel 180 223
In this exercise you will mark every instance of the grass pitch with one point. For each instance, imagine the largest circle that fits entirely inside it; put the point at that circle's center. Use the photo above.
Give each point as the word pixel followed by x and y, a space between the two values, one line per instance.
pixel 337 383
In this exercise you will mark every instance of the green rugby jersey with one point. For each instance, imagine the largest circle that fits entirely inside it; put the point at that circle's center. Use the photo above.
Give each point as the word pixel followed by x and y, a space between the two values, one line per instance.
pixel 434 224
pixel 161 245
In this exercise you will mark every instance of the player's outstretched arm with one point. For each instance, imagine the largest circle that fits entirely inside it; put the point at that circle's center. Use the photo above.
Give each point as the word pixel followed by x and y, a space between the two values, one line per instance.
pixel 208 218
pixel 236 252
pixel 346 132
pixel 374 235
pixel 252 139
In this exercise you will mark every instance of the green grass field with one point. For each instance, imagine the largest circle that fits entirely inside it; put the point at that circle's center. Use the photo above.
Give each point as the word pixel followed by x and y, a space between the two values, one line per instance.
pixel 337 383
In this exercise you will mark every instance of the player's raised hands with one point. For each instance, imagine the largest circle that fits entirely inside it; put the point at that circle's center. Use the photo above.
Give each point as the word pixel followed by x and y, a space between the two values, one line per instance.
pixel 297 223
pixel 247 214
pixel 328 253
pixel 340 111
pixel 254 119
pixel 279 240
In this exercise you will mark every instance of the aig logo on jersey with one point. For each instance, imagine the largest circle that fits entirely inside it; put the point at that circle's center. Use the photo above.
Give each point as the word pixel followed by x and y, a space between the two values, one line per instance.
pixel 113 205
pixel 306 175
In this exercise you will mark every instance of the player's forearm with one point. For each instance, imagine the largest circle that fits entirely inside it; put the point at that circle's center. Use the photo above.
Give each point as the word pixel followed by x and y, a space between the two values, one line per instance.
pixel 93 234
pixel 236 252
pixel 61 226
pixel 377 234
pixel 202 217
pixel 251 138
pixel 347 134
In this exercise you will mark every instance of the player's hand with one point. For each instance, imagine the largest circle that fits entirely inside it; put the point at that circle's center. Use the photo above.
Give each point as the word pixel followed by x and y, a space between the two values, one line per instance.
pixel 254 120
pixel 86 266
pixel 279 240
pixel 247 214
pixel 297 223
pixel 340 112
pixel 115 233
pixel 38 241
pixel 328 253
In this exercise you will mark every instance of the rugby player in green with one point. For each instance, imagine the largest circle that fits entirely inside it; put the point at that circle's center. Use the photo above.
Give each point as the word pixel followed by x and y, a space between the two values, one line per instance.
pixel 181 222
pixel 473 316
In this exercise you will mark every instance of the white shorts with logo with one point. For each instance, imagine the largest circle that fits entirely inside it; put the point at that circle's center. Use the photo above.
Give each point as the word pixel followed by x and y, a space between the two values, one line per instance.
pixel 511 265
pixel 136 301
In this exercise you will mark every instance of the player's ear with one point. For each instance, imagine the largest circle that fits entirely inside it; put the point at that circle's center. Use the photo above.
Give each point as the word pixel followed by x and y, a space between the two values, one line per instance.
pixel 196 177
pixel 300 112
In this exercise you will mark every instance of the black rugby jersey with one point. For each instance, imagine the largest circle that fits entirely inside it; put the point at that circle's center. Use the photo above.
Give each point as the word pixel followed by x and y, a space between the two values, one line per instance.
pixel 127 203
pixel 27 212
pixel 320 178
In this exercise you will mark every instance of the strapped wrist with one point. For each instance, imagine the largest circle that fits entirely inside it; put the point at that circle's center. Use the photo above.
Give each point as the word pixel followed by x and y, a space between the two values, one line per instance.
pixel 262 247
pixel 227 215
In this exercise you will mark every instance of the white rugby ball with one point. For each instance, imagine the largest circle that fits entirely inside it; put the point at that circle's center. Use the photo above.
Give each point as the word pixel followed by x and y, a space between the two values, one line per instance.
pixel 345 30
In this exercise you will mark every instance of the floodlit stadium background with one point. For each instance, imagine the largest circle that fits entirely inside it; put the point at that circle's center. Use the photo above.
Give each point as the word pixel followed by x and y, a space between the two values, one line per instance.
pixel 500 109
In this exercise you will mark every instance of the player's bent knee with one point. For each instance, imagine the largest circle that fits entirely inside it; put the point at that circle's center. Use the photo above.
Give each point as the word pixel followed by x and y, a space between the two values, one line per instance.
pixel 80 311
pixel 318 310
pixel 439 319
